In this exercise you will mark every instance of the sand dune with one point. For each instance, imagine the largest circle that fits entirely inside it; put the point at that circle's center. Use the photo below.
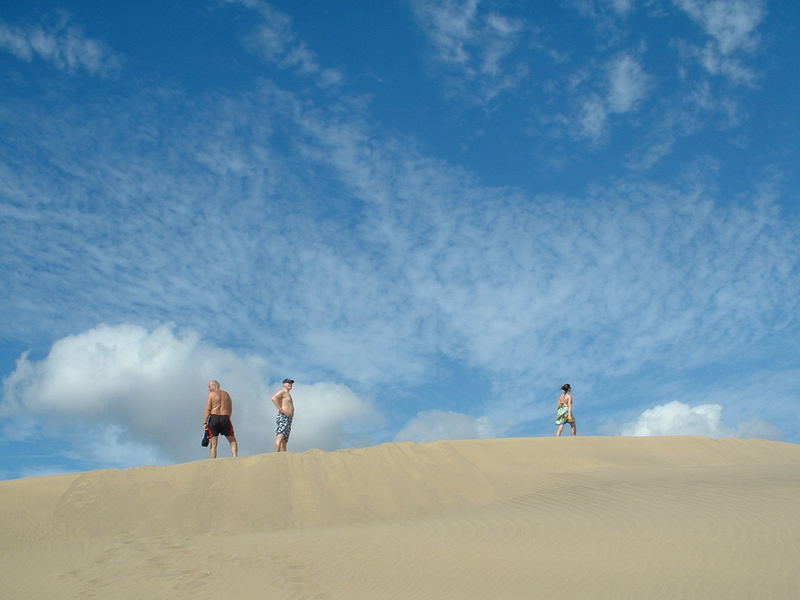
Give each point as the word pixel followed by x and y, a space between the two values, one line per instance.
pixel 514 518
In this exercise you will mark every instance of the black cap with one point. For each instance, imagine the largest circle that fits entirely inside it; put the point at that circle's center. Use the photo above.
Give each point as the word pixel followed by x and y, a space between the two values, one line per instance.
pixel 287 380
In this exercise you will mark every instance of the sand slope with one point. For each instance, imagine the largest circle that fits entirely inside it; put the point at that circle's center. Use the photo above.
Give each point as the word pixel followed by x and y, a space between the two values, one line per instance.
pixel 514 518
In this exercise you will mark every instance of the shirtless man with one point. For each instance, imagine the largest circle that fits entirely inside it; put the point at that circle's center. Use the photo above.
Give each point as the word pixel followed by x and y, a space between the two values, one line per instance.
pixel 564 412
pixel 217 418
pixel 283 402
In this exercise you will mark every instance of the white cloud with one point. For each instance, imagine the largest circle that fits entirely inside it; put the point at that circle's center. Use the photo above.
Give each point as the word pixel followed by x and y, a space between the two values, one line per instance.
pixel 61 43
pixel 275 40
pixel 731 23
pixel 622 7
pixel 123 395
pixel 389 259
pixel 717 64
pixel 450 25
pixel 698 106
pixel 759 428
pixel 473 47
pixel 595 9
pixel 488 275
pixel 593 118
pixel 678 418
pixel 627 83
pixel 732 26
pixel 330 416
pixel 619 87
pixel 599 95
pixel 38 471
pixel 115 445
pixel 434 425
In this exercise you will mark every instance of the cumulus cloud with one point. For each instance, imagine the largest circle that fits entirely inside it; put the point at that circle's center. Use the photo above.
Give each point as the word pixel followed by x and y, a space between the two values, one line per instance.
pixel 331 416
pixel 61 43
pixel 678 418
pixel 435 425
pixel 124 395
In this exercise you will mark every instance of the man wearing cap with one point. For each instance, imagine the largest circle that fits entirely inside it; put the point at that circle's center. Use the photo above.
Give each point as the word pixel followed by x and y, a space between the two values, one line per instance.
pixel 283 402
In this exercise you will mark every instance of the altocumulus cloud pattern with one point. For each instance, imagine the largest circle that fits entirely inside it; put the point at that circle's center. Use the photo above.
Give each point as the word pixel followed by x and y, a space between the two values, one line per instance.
pixel 431 221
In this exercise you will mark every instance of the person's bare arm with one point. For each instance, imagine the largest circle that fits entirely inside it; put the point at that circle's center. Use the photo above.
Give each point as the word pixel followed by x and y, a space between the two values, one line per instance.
pixel 207 411
pixel 277 400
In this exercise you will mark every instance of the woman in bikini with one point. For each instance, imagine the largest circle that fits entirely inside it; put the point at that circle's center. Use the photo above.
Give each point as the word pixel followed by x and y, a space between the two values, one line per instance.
pixel 564 412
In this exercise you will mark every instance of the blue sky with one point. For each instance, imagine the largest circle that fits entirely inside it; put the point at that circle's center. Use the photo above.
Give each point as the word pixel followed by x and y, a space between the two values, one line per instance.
pixel 430 214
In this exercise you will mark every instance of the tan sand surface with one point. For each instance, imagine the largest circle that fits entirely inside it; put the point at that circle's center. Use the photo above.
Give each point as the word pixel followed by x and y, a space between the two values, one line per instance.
pixel 594 518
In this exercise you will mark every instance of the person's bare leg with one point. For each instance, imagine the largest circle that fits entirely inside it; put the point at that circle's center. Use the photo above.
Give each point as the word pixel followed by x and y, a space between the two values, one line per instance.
pixel 559 430
pixel 212 447
pixel 574 429
pixel 278 443
pixel 234 446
